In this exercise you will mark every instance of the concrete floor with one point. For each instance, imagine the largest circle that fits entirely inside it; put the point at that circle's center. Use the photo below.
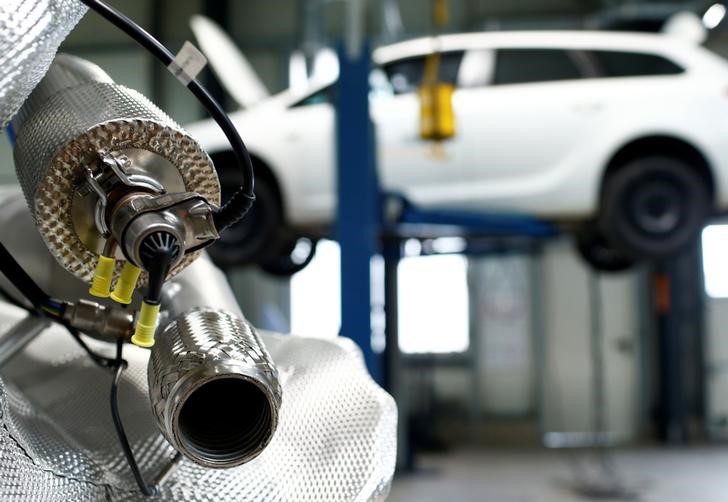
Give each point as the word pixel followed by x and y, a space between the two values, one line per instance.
pixel 695 474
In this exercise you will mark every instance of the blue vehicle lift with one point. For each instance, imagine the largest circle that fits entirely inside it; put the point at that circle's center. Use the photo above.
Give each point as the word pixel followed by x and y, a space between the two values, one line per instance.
pixel 363 231
pixel 361 228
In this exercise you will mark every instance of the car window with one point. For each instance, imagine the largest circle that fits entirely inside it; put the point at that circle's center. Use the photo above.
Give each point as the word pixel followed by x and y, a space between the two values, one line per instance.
pixel 324 95
pixel 521 66
pixel 406 75
pixel 632 64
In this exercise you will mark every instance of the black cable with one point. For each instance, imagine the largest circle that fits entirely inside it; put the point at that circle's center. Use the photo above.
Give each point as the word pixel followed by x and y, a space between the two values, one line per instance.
pixel 121 364
pixel 157 253
pixel 11 299
pixel 101 361
pixel 241 201
pixel 38 298
pixel 21 280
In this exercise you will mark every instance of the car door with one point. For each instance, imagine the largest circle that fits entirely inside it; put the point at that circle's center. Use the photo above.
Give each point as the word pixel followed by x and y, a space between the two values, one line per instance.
pixel 522 113
pixel 306 140
pixel 407 163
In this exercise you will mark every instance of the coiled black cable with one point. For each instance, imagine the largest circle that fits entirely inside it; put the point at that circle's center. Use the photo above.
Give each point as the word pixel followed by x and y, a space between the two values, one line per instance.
pixel 241 201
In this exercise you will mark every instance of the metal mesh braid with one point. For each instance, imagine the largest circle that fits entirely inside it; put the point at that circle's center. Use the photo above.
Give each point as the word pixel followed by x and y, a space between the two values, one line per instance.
pixel 203 342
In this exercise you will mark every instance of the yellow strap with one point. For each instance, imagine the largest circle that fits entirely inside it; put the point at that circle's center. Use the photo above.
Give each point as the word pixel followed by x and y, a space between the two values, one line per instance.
pixel 432 69
pixel 439 12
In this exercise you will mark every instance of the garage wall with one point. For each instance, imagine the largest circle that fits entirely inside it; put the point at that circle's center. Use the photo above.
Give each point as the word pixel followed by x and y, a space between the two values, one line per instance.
pixel 716 341
pixel 503 335
pixel 567 389
pixel 717 367
pixel 530 353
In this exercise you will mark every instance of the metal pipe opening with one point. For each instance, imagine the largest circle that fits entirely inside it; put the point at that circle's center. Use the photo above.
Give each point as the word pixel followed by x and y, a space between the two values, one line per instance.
pixel 214 390
pixel 226 420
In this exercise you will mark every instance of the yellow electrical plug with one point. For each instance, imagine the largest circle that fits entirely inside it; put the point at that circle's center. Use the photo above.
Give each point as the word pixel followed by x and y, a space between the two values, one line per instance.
pixel 101 284
pixel 126 284
pixel 146 325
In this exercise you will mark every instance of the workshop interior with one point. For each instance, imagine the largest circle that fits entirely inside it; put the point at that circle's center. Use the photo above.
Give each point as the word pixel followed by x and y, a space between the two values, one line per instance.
pixel 351 250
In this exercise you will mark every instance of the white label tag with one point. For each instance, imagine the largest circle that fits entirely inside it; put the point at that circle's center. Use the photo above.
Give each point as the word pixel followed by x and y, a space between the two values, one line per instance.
pixel 188 62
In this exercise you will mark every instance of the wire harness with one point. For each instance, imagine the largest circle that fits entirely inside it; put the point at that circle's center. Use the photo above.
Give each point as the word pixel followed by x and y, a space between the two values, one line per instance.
pixel 43 304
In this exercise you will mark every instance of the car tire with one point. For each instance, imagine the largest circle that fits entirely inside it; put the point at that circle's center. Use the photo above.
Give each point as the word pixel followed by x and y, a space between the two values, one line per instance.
pixel 293 255
pixel 252 238
pixel 599 253
pixel 654 207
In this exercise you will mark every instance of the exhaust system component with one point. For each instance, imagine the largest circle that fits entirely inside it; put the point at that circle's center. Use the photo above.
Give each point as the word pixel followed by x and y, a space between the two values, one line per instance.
pixel 83 144
pixel 214 389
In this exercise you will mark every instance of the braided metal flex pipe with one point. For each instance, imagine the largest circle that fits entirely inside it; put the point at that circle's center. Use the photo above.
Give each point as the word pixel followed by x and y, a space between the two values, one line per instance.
pixel 214 389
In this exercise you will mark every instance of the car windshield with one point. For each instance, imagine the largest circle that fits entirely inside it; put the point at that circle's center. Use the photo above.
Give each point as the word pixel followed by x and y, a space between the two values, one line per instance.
pixel 319 96
pixel 379 85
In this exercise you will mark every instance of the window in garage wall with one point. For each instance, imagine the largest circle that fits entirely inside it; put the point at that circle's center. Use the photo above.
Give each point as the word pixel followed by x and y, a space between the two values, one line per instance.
pixel 715 265
pixel 433 304
pixel 433 300
pixel 315 293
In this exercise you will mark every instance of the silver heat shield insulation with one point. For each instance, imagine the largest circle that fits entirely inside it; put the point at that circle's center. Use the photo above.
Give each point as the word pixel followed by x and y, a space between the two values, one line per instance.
pixel 74 113
pixel 30 33
pixel 336 437
pixel 336 433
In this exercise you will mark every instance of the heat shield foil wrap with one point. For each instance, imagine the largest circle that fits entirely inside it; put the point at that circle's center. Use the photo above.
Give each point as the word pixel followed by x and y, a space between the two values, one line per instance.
pixel 335 439
pixel 73 114
pixel 30 33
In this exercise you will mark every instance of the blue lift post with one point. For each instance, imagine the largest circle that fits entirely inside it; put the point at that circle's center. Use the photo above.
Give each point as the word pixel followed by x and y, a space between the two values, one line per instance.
pixel 360 226
pixel 358 208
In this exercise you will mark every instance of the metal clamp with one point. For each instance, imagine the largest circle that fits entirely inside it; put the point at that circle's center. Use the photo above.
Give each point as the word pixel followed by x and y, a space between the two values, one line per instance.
pixel 187 216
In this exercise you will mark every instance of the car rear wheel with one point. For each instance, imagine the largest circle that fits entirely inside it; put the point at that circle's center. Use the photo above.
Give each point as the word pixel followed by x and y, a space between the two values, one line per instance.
pixel 293 255
pixel 653 207
pixel 251 239
pixel 599 253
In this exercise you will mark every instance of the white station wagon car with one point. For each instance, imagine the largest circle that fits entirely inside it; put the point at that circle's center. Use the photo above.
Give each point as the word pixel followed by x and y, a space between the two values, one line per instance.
pixel 625 135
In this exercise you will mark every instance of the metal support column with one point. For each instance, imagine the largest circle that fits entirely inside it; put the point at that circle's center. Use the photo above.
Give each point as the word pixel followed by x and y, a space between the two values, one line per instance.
pixel 357 215
pixel 392 371
pixel 679 323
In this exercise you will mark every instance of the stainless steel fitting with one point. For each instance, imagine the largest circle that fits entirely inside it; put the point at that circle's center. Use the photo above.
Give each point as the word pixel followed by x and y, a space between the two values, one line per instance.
pixel 214 389
pixel 99 321
pixel 186 216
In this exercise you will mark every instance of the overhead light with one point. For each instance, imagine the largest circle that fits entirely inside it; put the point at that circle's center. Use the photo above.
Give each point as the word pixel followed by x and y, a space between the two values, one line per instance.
pixel 446 245
pixel 714 15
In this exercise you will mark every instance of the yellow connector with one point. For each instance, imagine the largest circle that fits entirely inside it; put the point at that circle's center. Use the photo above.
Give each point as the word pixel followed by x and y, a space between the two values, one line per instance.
pixel 126 284
pixel 146 325
pixel 101 284
pixel 437 117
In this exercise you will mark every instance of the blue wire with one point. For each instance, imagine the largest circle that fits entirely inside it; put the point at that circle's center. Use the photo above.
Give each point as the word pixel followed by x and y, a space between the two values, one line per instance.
pixel 54 303
pixel 11 134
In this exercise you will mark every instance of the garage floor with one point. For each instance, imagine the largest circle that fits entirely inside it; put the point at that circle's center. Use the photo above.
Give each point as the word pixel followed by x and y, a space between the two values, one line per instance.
pixel 695 474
